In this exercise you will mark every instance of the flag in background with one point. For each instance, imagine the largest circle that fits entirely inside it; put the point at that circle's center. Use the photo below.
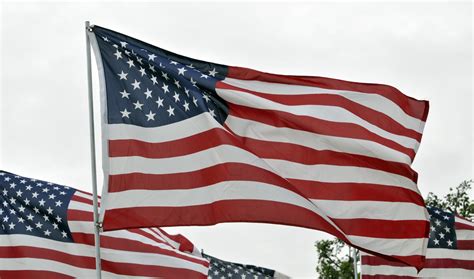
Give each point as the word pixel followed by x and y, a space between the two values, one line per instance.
pixel 219 269
pixel 190 142
pixel 48 232
pixel 450 252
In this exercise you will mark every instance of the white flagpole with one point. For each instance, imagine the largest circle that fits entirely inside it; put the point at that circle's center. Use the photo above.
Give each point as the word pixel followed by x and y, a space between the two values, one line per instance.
pixel 354 251
pixel 97 225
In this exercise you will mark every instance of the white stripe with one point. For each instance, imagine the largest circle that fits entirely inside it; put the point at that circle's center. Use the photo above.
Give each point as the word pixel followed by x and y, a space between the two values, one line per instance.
pixel 182 129
pixel 153 259
pixel 88 228
pixel 463 221
pixel 465 234
pixel 80 206
pixel 158 234
pixel 331 173
pixel 196 161
pixel 440 253
pixel 329 113
pixel 55 266
pixel 373 101
pixel 388 270
pixel 33 241
pixel 371 210
pixel 390 246
pixel 227 190
pixel 411 271
pixel 83 195
pixel 261 131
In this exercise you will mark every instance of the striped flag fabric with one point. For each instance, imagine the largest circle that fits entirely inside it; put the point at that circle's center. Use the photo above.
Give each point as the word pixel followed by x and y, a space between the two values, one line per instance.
pixel 47 232
pixel 220 269
pixel 450 252
pixel 189 142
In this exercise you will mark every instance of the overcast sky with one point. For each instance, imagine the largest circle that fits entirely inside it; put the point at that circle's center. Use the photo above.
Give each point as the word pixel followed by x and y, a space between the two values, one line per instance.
pixel 423 49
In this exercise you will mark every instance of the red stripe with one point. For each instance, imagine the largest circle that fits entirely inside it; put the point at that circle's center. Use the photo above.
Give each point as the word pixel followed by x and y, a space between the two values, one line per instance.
pixel 180 147
pixel 371 260
pixel 220 211
pixel 411 106
pixel 463 226
pixel 314 125
pixel 28 274
pixel 372 116
pixel 308 156
pixel 81 199
pixel 85 200
pixel 195 179
pixel 449 263
pixel 465 244
pixel 48 254
pixel 355 192
pixel 386 277
pixel 79 215
pixel 130 245
pixel 383 228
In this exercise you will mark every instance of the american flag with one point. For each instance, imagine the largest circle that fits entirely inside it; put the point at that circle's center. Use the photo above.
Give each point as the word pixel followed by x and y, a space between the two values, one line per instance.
pixel 450 252
pixel 220 269
pixel 47 232
pixel 188 142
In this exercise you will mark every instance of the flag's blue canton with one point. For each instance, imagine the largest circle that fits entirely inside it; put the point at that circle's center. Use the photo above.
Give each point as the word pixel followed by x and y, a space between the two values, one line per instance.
pixel 223 269
pixel 442 230
pixel 149 87
pixel 34 207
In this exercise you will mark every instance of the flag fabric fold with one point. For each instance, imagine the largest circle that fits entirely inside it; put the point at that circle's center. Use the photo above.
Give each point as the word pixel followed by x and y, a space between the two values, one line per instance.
pixel 189 142
pixel 450 252
pixel 48 232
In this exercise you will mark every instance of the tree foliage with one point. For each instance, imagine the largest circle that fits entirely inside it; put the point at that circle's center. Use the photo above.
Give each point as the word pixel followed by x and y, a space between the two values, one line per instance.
pixel 457 200
pixel 332 262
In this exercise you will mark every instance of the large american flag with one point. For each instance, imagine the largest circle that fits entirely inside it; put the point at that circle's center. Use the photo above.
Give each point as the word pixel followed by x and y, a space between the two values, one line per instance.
pixel 189 142
pixel 450 252
pixel 47 231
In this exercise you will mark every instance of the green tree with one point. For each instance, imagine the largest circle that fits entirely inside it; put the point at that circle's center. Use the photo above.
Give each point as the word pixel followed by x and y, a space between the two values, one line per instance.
pixel 333 263
pixel 457 200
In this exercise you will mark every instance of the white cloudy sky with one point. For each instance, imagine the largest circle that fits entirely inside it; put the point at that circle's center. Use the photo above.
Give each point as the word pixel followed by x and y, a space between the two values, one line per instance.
pixel 424 49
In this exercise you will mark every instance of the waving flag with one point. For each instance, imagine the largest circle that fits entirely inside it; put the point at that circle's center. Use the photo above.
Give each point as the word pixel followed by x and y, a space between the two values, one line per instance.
pixel 223 269
pixel 450 252
pixel 48 232
pixel 189 142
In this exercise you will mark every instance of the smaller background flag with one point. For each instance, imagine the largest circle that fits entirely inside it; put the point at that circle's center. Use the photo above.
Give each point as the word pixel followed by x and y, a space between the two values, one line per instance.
pixel 47 231
pixel 219 269
pixel 450 252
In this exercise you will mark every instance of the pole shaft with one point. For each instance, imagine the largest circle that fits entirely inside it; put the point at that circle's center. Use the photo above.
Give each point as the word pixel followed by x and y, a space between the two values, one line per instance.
pixel 93 163
pixel 354 252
